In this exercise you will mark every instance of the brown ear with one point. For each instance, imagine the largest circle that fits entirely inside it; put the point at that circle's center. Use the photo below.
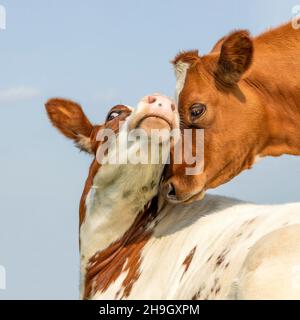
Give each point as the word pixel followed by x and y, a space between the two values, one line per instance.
pixel 68 117
pixel 235 57
pixel 217 47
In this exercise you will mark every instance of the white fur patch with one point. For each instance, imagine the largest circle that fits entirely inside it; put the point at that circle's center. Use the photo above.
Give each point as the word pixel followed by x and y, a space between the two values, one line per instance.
pixel 84 143
pixel 118 194
pixel 223 231
pixel 181 69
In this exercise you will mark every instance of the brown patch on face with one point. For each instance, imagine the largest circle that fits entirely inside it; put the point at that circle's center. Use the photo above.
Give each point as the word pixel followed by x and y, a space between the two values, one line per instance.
pixel 106 266
pixel 95 166
pixel 187 261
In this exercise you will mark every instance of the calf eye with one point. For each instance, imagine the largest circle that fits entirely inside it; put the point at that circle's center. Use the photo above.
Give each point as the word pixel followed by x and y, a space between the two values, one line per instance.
pixel 197 110
pixel 113 115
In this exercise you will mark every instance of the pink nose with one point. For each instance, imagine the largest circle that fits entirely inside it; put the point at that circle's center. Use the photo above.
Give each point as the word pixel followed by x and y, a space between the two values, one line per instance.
pixel 161 102
pixel 155 112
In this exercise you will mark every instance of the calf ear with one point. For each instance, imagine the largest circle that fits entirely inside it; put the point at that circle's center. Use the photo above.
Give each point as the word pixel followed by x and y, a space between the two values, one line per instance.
pixel 68 117
pixel 235 57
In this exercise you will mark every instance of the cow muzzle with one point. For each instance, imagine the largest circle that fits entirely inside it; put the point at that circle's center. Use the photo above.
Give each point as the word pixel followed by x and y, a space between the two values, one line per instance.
pixel 155 112
pixel 185 191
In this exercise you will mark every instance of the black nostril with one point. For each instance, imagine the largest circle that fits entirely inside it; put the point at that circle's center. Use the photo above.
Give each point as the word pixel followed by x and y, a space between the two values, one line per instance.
pixel 171 190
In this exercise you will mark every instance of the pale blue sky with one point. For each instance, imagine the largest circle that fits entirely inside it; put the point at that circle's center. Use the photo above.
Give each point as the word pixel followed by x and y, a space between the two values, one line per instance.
pixel 98 53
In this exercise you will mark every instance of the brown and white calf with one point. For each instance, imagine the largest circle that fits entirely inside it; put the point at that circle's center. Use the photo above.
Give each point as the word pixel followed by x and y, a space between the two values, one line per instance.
pixel 245 94
pixel 133 245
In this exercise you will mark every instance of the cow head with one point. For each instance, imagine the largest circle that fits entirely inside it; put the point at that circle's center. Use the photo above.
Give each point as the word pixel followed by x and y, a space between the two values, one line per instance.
pixel 213 95
pixel 153 112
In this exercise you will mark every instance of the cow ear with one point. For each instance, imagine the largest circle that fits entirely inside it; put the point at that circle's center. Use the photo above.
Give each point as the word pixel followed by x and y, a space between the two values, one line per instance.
pixel 68 117
pixel 235 57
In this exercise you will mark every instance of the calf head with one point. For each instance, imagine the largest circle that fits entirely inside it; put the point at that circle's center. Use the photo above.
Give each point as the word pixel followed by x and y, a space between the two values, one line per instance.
pixel 68 117
pixel 153 112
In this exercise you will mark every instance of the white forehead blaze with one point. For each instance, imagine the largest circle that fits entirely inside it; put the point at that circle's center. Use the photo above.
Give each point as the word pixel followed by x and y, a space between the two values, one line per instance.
pixel 181 69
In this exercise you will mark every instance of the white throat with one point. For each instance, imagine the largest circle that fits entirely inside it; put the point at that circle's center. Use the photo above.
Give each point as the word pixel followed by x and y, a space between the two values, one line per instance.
pixel 118 194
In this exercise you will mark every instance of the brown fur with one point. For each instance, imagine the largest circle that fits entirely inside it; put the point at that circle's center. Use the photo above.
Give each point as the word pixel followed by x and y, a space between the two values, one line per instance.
pixel 188 259
pixel 106 266
pixel 251 88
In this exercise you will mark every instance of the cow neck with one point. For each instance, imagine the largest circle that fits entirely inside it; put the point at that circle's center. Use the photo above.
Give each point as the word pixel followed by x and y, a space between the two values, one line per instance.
pixel 275 83
pixel 115 202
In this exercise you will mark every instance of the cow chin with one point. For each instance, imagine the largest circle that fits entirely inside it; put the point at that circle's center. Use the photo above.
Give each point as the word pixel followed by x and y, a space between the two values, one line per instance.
pixel 187 199
pixel 184 191
pixel 153 122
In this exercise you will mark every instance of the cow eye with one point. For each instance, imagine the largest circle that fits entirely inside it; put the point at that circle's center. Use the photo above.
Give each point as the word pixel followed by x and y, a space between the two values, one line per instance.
pixel 113 115
pixel 197 110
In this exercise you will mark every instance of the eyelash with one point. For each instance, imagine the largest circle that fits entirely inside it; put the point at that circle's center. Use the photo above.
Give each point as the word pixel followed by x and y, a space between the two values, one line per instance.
pixel 109 115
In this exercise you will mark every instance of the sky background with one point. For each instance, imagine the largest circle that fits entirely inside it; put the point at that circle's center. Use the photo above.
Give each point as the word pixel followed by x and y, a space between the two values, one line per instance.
pixel 98 53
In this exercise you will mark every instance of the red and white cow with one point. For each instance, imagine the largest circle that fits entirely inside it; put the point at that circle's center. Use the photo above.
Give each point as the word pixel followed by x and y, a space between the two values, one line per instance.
pixel 245 94
pixel 134 245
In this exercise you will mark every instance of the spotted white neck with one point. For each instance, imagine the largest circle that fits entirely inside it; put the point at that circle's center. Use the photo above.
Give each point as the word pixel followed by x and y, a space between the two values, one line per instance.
pixel 118 194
